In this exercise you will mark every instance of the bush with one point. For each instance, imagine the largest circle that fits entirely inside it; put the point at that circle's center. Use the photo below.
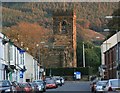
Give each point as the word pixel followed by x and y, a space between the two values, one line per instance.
pixel 68 71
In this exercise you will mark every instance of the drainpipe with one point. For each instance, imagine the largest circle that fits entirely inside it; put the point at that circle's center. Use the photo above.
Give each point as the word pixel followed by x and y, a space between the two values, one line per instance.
pixel 10 73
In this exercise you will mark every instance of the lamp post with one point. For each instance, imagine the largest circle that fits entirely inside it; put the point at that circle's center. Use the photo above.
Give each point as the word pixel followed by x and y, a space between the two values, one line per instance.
pixel 83 55
pixel 41 62
pixel 38 52
pixel 38 45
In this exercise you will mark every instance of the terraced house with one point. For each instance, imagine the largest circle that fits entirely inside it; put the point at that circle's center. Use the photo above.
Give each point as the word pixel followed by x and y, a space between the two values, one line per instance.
pixel 110 50
pixel 15 63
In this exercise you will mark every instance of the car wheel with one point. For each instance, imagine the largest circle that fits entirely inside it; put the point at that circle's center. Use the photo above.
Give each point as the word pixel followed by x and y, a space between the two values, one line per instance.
pixel 44 90
pixel 3 92
pixel 60 84
pixel 92 90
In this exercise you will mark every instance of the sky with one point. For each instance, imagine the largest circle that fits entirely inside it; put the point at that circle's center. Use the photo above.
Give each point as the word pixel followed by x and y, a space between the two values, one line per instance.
pixel 60 0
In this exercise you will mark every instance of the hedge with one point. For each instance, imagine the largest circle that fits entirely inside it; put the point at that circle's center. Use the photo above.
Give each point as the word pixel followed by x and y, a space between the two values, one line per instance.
pixel 68 71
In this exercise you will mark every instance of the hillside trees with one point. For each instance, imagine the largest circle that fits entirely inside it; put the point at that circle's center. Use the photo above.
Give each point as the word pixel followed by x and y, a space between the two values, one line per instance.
pixel 92 55
pixel 27 34
pixel 39 12
pixel 27 23
pixel 114 23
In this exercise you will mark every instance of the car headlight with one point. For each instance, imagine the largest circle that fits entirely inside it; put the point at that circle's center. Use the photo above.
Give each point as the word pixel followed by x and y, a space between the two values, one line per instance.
pixel 39 87
pixel 7 90
pixel 42 85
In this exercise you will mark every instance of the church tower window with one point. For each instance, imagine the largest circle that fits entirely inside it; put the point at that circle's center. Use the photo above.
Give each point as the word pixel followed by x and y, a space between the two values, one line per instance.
pixel 64 27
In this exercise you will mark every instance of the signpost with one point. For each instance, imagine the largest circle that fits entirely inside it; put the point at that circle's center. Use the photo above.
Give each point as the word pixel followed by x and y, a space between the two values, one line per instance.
pixel 77 75
pixel 21 74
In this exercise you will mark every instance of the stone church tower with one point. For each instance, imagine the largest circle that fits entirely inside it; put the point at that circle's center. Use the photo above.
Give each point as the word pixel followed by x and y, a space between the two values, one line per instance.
pixel 64 31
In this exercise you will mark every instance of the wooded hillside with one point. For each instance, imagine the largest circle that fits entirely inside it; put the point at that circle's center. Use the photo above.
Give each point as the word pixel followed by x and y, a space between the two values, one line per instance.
pixel 32 22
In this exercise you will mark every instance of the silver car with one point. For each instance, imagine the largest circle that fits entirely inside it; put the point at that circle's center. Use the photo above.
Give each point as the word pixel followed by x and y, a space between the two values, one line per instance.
pixel 41 85
pixel 6 87
pixel 99 86
pixel 112 86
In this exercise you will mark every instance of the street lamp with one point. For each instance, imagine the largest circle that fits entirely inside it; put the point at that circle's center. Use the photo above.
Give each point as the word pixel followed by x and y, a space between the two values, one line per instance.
pixel 40 57
pixel 83 55
pixel 38 52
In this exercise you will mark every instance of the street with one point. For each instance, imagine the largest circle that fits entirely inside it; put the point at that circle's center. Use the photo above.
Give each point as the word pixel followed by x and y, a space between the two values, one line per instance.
pixel 72 86
pixel 51 47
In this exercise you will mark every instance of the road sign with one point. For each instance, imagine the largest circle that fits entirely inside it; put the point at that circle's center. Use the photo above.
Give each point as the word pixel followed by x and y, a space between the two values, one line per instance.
pixel 21 74
pixel 77 75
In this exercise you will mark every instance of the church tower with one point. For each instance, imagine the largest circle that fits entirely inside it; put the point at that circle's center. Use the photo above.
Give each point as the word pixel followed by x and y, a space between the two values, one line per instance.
pixel 64 31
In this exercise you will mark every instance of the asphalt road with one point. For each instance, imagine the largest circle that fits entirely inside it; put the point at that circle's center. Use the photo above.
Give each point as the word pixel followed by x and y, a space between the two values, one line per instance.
pixel 72 87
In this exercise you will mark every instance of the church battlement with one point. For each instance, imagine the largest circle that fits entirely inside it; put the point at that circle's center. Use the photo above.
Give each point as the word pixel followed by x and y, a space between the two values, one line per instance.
pixel 63 12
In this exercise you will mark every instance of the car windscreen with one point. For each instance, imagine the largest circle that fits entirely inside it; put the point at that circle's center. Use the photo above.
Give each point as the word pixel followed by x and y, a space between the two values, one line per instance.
pixel 101 83
pixel 39 83
pixel 115 83
pixel 25 85
pixel 31 84
pixel 50 81
pixel 4 84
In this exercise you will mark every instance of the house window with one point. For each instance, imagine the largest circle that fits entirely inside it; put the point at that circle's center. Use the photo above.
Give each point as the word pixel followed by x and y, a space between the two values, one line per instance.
pixel 21 58
pixel 11 53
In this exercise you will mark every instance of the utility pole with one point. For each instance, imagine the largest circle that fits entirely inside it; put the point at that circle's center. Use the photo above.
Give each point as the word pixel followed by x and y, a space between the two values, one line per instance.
pixel 83 55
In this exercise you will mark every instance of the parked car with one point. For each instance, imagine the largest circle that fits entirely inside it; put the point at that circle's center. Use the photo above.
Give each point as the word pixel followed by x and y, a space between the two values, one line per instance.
pixel 51 84
pixel 93 86
pixel 62 80
pixel 27 87
pixel 41 84
pixel 17 86
pixel 94 80
pixel 48 78
pixel 112 85
pixel 6 87
pixel 58 80
pixel 34 87
pixel 99 86
pixel 22 87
